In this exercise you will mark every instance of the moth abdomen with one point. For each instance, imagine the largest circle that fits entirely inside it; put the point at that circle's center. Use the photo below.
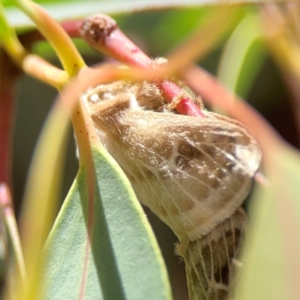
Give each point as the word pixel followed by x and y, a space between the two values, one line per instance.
pixel 211 260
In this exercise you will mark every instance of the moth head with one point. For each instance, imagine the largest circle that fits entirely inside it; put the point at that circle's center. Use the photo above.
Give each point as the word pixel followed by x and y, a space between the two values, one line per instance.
pixel 109 99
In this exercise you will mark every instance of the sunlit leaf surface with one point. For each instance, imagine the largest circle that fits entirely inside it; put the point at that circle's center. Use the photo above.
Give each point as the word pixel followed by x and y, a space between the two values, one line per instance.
pixel 123 262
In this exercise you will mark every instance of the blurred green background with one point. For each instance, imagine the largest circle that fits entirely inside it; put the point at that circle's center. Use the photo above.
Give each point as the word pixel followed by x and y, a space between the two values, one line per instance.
pixel 156 32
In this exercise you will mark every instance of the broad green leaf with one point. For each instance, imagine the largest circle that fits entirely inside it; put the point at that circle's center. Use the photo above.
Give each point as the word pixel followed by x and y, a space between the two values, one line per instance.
pixel 124 261
pixel 272 252
pixel 70 9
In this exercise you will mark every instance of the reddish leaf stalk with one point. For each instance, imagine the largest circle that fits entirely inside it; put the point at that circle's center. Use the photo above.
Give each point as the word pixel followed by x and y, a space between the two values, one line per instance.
pixel 103 34
pixel 216 94
pixel 8 75
pixel 185 106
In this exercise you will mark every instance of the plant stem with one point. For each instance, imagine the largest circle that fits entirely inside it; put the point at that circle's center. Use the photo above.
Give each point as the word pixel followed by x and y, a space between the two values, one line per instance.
pixel 37 67
pixel 12 228
pixel 41 194
pixel 9 40
pixel 30 63
pixel 216 94
pixel 185 105
pixel 7 105
pixel 53 32
pixel 102 33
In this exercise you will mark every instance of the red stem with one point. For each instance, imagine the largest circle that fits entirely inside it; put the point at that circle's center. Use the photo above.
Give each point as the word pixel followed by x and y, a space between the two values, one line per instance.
pixel 185 106
pixel 102 33
pixel 216 94
pixel 8 75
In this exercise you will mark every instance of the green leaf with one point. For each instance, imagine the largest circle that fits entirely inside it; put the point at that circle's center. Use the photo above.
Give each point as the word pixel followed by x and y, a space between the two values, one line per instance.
pixel 243 56
pixel 71 9
pixel 272 251
pixel 124 261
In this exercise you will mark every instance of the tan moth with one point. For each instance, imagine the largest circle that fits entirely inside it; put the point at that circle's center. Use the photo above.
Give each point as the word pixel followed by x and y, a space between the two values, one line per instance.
pixel 193 173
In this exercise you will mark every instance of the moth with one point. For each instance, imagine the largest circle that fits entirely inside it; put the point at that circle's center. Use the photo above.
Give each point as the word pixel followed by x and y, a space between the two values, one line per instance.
pixel 193 173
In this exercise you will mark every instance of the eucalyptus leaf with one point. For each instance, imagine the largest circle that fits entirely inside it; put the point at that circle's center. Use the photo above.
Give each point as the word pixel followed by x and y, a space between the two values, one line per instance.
pixel 243 56
pixel 272 250
pixel 123 262
pixel 70 9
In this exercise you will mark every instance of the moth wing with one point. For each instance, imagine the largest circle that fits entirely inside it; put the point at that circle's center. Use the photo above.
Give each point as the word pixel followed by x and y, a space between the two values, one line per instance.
pixel 192 172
